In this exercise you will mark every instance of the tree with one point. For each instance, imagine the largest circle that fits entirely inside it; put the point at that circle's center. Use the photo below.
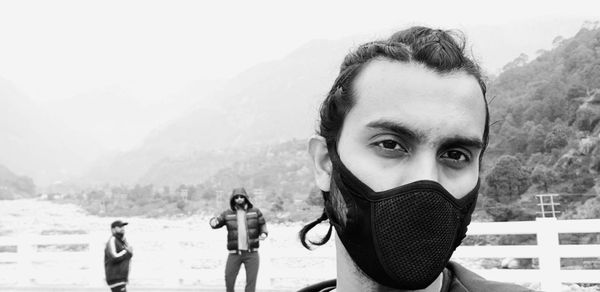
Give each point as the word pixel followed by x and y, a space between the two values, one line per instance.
pixel 589 210
pixel 518 62
pixel 536 138
pixel 209 193
pixel 193 194
pixel 557 41
pixel 576 91
pixel 277 205
pixel 508 212
pixel 582 183
pixel 543 177
pixel 586 119
pixel 181 204
pixel 507 180
pixel 595 161
pixel 557 138
pixel 166 190
pixel 95 195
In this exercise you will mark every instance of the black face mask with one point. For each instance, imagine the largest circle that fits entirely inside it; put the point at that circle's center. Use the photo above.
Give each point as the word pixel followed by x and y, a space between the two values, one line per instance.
pixel 403 237
pixel 120 235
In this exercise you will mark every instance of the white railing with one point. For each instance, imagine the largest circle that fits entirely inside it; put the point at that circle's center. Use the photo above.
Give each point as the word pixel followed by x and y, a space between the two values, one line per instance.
pixel 548 251
pixel 163 259
pixel 171 260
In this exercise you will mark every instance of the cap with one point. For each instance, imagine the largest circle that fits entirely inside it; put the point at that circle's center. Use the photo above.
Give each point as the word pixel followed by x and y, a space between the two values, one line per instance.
pixel 118 223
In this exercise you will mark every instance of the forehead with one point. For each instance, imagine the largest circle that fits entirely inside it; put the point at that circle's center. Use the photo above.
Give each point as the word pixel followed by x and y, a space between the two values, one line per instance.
pixel 450 104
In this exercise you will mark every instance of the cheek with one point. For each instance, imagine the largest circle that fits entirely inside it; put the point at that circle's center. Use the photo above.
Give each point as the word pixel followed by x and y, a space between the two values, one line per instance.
pixel 460 185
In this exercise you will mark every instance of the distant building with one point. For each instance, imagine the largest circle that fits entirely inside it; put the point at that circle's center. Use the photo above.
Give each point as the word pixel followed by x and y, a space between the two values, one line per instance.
pixel 183 193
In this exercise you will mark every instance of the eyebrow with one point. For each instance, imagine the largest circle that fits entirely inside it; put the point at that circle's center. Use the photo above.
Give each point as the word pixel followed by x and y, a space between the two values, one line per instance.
pixel 418 136
pixel 398 128
pixel 468 142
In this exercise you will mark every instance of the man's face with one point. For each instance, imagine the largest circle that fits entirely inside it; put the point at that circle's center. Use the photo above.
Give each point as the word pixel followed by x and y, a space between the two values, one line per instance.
pixel 119 230
pixel 239 200
pixel 410 123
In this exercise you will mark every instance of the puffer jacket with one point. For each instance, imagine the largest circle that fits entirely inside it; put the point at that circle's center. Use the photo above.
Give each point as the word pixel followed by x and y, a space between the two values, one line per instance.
pixel 255 222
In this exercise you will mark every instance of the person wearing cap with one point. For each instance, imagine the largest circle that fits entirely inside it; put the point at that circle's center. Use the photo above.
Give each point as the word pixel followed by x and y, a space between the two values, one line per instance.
pixel 245 227
pixel 117 256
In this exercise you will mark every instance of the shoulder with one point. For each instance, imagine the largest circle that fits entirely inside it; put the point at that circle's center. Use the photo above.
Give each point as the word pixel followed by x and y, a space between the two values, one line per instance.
pixel 464 280
pixel 324 286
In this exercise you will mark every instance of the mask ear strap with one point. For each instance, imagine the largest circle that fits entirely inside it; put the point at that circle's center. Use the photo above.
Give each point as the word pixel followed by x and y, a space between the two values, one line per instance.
pixel 309 226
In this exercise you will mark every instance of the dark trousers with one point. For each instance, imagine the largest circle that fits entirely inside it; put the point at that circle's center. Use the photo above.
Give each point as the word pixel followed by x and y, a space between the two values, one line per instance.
pixel 120 288
pixel 232 268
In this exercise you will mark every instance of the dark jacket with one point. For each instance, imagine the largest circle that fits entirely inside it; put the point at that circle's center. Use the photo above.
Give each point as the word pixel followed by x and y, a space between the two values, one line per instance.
pixel 116 261
pixel 255 222
pixel 456 279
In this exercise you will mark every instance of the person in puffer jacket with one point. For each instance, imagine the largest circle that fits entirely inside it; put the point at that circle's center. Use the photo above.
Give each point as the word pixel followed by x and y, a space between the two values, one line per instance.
pixel 245 227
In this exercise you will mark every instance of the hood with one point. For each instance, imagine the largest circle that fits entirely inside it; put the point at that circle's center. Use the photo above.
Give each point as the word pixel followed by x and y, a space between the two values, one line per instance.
pixel 239 191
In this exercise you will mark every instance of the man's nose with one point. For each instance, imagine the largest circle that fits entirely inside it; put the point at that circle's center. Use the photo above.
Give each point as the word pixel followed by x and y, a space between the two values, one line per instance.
pixel 424 167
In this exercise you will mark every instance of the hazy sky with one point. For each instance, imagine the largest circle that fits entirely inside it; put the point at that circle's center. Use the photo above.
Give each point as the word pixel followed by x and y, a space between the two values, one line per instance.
pixel 57 49
pixel 108 73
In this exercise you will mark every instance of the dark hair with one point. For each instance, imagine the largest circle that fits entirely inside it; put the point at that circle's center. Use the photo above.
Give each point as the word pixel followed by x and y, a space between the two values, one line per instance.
pixel 441 51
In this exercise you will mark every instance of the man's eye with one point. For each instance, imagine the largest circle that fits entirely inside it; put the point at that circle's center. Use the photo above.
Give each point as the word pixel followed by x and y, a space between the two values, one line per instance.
pixel 390 145
pixel 455 156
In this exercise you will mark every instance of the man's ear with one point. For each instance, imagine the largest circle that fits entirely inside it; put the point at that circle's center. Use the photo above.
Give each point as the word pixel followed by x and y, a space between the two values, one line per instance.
pixel 317 147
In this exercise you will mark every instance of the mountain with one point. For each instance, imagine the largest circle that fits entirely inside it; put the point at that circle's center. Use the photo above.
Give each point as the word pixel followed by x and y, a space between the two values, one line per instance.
pixel 119 116
pixel 545 116
pixel 558 87
pixel 531 102
pixel 13 186
pixel 34 143
pixel 271 102
pixel 544 137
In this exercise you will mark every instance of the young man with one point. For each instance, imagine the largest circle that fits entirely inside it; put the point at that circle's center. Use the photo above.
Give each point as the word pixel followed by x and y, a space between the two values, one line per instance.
pixel 245 227
pixel 117 256
pixel 397 158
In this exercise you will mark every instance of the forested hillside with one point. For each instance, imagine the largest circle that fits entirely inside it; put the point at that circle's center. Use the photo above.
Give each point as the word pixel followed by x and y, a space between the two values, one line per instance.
pixel 13 186
pixel 545 136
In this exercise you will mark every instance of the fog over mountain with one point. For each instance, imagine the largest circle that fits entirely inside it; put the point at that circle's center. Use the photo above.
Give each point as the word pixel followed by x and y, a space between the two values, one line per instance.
pixel 147 131
pixel 35 144
pixel 271 102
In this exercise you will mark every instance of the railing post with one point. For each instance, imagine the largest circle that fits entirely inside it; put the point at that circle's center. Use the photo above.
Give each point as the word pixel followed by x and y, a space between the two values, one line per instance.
pixel 547 240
